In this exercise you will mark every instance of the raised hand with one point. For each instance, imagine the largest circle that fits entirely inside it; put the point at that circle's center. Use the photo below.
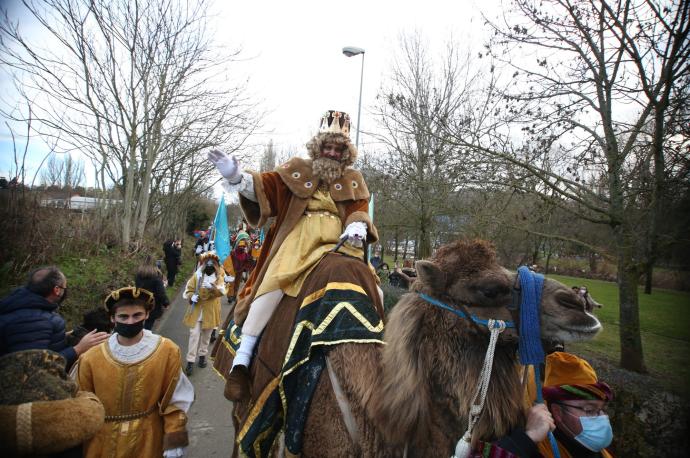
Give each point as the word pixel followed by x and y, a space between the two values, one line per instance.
pixel 227 165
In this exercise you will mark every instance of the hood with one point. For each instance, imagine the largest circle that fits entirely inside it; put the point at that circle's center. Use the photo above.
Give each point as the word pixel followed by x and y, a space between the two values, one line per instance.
pixel 23 298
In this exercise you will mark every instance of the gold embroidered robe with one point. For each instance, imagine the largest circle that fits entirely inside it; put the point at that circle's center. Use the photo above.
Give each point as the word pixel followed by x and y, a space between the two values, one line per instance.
pixel 131 389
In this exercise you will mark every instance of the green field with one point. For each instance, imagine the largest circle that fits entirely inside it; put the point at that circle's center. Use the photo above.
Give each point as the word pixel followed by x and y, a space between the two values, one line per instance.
pixel 665 325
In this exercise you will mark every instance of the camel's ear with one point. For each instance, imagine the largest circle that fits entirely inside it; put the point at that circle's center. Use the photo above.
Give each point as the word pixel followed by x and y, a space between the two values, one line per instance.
pixel 431 275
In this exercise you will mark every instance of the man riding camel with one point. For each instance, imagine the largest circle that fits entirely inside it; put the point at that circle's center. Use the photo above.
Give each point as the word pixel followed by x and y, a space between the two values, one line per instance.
pixel 316 202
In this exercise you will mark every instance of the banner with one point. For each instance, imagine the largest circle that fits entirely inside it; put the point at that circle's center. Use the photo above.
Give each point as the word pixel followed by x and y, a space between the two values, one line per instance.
pixel 221 233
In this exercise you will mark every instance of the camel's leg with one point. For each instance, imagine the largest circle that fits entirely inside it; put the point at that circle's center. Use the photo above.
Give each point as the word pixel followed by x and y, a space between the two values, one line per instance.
pixel 357 368
pixel 325 433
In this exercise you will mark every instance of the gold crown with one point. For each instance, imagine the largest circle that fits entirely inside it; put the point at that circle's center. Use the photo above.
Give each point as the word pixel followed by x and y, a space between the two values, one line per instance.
pixel 335 121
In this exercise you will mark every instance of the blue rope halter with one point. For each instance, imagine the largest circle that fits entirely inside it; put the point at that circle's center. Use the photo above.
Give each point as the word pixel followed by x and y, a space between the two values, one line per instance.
pixel 530 348
pixel 437 303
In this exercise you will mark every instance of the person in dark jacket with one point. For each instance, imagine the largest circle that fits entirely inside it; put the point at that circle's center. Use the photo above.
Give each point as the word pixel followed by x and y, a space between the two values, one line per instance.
pixel 29 318
pixel 151 279
pixel 173 258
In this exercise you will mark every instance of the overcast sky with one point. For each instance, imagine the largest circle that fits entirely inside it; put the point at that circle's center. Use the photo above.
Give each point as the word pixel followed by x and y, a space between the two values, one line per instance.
pixel 294 61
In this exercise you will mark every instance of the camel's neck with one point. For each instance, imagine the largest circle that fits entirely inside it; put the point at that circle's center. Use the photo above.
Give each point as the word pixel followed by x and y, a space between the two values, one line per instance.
pixel 445 354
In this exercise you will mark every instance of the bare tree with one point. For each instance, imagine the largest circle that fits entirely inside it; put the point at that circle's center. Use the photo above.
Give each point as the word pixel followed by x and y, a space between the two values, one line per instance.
pixel 422 164
pixel 137 86
pixel 587 75
pixel 268 160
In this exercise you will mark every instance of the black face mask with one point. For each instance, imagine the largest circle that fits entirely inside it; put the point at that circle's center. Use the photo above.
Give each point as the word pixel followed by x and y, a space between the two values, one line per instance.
pixel 209 270
pixel 129 330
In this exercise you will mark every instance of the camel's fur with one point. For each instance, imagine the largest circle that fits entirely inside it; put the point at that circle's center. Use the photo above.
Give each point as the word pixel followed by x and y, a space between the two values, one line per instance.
pixel 432 360
pixel 418 390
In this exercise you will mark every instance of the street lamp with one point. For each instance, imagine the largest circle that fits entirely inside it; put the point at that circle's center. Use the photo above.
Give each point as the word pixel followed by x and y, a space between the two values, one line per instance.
pixel 350 51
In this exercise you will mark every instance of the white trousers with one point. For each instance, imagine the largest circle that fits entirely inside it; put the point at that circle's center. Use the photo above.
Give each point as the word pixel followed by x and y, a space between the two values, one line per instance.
pixel 198 342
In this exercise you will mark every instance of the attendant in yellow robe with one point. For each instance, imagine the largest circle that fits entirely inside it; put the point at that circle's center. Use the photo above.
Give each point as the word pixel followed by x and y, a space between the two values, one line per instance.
pixel 204 290
pixel 138 377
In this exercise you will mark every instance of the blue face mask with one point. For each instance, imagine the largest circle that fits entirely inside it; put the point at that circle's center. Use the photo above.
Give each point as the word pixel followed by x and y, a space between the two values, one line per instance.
pixel 596 433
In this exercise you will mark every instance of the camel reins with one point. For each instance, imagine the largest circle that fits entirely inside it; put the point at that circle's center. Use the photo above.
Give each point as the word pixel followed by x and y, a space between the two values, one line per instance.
pixel 460 313
pixel 527 300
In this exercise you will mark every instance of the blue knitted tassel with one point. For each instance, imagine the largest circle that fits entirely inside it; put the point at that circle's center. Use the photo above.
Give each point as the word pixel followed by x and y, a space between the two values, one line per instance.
pixel 530 348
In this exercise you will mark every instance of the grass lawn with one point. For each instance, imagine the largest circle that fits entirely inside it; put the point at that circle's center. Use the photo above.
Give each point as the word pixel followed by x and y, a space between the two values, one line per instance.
pixel 665 326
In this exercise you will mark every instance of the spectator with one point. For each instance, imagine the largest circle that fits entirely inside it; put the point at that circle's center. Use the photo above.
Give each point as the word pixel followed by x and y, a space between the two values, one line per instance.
pixel 402 279
pixel 173 258
pixel 202 244
pixel 151 279
pixel 96 318
pixel 29 318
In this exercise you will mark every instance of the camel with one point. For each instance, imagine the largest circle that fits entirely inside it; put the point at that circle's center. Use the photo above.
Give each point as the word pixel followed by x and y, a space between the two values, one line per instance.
pixel 413 395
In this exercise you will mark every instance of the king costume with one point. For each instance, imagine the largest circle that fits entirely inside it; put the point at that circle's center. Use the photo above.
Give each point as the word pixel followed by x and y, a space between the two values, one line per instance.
pixel 325 298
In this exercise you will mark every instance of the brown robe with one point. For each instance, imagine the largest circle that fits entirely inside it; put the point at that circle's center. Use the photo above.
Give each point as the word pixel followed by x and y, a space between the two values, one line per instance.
pixel 283 194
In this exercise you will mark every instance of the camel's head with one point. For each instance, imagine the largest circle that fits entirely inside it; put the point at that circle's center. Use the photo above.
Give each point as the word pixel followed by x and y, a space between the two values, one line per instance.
pixel 565 313
pixel 466 274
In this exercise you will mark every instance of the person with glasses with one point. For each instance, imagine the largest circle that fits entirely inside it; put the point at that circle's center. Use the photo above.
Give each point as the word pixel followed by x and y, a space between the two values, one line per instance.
pixel 29 317
pixel 577 401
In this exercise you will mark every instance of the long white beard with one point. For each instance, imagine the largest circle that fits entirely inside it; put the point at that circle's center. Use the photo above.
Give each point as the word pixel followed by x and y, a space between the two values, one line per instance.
pixel 327 170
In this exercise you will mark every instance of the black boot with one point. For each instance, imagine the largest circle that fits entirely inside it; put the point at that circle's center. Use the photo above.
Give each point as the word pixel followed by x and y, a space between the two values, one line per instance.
pixel 202 361
pixel 189 369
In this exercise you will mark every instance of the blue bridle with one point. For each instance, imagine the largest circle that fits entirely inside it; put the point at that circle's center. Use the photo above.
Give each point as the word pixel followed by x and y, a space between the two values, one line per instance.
pixel 530 348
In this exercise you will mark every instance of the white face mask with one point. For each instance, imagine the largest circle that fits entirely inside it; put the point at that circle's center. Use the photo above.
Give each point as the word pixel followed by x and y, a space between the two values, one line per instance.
pixel 596 433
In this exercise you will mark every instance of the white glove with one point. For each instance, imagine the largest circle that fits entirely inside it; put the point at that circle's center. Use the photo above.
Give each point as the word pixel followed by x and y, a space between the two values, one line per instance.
pixel 356 233
pixel 174 452
pixel 195 298
pixel 228 166
pixel 198 249
pixel 229 279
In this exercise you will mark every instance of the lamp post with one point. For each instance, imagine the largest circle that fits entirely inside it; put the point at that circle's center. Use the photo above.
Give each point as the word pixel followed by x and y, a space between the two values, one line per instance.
pixel 350 51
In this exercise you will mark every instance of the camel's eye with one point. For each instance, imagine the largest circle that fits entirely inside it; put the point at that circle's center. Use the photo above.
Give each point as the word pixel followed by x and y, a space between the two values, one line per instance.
pixel 493 290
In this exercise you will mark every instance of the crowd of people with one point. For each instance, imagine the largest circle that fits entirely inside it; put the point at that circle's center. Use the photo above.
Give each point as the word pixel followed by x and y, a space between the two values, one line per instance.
pixel 128 385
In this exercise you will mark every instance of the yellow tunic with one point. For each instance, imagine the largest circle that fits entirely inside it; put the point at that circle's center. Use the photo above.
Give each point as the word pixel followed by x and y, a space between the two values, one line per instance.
pixel 209 302
pixel 125 389
pixel 316 233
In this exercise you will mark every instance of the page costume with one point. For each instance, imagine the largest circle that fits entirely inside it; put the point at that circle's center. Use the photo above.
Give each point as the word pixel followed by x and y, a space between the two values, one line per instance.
pixel 145 394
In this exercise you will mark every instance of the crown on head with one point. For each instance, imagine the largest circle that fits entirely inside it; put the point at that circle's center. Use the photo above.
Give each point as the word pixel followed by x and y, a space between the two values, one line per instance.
pixel 335 121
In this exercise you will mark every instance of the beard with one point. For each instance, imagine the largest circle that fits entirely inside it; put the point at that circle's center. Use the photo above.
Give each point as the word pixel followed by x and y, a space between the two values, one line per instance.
pixel 327 170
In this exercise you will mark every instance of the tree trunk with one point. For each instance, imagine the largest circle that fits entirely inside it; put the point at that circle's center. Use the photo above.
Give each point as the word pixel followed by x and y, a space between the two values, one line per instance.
pixel 593 262
pixel 397 240
pixel 648 274
pixel 548 257
pixel 424 250
pixel 632 357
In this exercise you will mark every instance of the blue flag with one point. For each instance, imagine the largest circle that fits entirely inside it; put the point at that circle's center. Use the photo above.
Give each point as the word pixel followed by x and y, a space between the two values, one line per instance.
pixel 221 232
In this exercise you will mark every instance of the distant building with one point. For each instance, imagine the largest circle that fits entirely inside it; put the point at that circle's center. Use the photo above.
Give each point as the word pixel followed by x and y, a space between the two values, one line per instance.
pixel 78 203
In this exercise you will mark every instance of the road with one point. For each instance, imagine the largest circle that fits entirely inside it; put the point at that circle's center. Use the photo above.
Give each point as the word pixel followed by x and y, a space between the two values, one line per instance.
pixel 210 425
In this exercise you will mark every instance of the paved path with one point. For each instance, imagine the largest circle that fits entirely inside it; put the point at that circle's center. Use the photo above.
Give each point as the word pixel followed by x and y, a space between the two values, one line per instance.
pixel 210 425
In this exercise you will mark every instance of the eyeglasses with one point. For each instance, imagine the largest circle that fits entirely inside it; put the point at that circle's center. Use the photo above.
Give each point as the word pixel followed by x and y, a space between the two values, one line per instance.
pixel 61 287
pixel 586 411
